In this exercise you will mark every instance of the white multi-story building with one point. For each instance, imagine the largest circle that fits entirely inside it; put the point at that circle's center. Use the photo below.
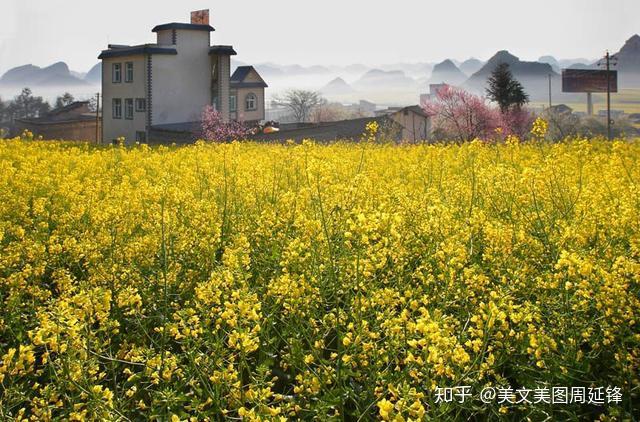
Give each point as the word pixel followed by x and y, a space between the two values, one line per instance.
pixel 171 82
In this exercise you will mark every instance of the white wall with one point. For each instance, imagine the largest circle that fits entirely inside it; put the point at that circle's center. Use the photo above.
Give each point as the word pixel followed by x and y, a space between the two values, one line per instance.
pixel 181 84
pixel 114 128
pixel 165 37
pixel 244 115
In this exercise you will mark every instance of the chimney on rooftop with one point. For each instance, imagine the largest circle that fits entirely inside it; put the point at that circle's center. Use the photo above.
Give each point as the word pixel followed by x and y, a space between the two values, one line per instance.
pixel 200 17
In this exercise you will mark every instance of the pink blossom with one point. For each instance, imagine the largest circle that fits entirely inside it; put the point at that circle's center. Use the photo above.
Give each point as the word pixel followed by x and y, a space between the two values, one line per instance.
pixel 213 128
pixel 459 114
pixel 462 116
pixel 517 121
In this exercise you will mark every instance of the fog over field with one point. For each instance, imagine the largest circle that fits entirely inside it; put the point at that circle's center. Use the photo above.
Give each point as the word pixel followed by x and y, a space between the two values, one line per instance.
pixel 368 50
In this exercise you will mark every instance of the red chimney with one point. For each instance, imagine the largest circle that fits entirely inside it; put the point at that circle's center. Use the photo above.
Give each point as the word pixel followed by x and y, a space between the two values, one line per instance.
pixel 200 17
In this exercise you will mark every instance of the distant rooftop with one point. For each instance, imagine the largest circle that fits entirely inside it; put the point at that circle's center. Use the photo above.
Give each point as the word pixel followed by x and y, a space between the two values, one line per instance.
pixel 72 106
pixel 74 112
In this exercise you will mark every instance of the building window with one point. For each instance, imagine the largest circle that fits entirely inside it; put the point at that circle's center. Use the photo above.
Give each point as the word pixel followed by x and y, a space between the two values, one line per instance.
pixel 214 71
pixel 117 108
pixel 128 108
pixel 128 72
pixel 116 73
pixel 141 136
pixel 251 102
pixel 233 103
pixel 141 104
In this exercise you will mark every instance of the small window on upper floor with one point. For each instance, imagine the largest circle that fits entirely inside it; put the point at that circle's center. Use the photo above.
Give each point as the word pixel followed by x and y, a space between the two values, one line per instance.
pixel 116 73
pixel 128 72
pixel 251 102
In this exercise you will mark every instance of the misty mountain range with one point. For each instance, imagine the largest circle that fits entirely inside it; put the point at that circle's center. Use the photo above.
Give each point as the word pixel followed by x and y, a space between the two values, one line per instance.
pixel 358 80
pixel 58 74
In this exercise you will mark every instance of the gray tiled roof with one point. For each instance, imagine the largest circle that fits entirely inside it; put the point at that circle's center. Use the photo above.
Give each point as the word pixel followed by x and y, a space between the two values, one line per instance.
pixel 241 73
pixel 176 25
pixel 137 49
pixel 238 77
pixel 223 49
pixel 47 120
pixel 324 132
pixel 68 107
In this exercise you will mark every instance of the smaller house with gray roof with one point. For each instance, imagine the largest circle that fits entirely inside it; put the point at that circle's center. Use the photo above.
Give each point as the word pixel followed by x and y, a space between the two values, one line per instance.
pixel 73 122
pixel 247 95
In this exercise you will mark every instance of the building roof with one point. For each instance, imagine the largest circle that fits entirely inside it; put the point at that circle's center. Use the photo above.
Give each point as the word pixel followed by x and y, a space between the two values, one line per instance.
pixel 222 49
pixel 76 111
pixel 241 73
pixel 69 107
pixel 121 51
pixel 189 26
pixel 47 120
pixel 352 129
pixel 415 109
pixel 393 110
pixel 561 108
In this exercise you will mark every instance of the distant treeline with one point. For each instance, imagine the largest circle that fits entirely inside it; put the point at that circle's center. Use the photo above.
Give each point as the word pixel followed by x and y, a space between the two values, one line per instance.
pixel 26 106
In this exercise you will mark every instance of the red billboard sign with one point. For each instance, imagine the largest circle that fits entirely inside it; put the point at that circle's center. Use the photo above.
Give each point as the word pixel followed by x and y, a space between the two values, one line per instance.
pixel 587 80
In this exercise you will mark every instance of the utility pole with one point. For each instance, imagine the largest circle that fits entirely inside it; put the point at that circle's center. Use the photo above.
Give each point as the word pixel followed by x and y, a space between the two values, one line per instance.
pixel 608 62
pixel 608 96
pixel 97 118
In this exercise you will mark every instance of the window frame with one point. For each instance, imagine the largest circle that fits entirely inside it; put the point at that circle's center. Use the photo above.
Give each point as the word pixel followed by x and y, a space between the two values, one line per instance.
pixel 116 69
pixel 141 136
pixel 128 102
pixel 127 66
pixel 142 101
pixel 116 108
pixel 233 105
pixel 254 99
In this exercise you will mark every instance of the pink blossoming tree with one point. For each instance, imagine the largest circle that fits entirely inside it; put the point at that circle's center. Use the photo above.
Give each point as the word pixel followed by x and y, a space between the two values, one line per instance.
pixel 214 128
pixel 516 121
pixel 463 117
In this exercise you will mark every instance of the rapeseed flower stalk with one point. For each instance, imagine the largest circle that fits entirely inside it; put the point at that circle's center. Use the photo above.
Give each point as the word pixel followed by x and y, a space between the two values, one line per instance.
pixel 539 129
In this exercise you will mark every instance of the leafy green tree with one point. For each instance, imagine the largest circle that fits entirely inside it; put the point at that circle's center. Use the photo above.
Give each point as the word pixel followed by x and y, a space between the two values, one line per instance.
pixel 64 100
pixel 26 105
pixel 505 90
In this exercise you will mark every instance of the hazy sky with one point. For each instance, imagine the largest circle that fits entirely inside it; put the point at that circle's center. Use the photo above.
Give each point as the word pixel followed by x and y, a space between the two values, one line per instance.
pixel 322 32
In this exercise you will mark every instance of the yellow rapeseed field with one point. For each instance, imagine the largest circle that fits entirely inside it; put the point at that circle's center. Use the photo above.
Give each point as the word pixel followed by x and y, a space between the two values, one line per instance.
pixel 318 282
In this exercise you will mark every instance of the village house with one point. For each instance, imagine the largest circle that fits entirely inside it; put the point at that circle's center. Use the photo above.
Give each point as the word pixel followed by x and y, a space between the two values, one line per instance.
pixel 148 88
pixel 73 122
